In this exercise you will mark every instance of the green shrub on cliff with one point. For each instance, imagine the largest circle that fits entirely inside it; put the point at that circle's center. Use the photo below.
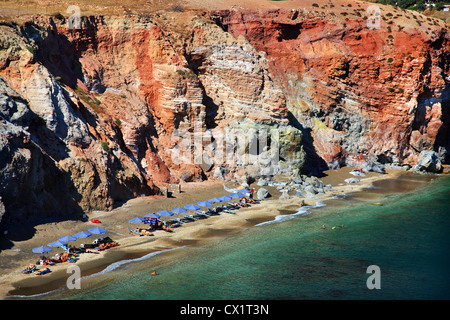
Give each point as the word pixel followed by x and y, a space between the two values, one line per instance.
pixel 106 147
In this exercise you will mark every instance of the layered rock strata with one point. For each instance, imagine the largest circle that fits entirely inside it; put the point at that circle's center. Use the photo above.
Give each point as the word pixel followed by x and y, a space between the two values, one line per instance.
pixel 124 105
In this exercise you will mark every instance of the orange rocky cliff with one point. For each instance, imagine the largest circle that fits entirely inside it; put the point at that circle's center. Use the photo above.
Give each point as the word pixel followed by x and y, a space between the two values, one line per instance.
pixel 111 111
pixel 364 93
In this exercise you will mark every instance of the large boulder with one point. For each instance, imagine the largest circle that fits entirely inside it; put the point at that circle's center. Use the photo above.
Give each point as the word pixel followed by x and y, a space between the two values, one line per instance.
pixel 373 166
pixel 428 161
pixel 262 193
pixel 284 195
pixel 352 180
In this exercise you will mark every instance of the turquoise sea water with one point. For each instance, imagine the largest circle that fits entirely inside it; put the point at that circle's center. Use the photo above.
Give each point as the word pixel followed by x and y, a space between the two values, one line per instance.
pixel 407 238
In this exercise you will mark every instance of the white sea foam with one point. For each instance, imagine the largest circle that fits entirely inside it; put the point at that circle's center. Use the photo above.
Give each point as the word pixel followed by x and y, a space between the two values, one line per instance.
pixel 113 266
pixel 341 196
pixel 300 212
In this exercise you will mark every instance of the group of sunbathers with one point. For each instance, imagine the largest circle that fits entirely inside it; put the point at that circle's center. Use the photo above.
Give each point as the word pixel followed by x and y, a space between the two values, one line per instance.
pixel 155 224
pixel 244 202
pixel 70 255
pixel 33 269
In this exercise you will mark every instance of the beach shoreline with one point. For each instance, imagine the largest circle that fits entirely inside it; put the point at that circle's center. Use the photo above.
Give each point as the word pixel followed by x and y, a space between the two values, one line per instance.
pixel 14 282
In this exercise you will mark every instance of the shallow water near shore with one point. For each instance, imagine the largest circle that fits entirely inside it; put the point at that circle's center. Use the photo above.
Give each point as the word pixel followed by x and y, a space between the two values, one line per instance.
pixel 404 234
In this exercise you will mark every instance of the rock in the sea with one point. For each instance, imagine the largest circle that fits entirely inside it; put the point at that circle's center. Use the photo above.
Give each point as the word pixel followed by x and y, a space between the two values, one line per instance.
pixel 428 161
pixel 262 193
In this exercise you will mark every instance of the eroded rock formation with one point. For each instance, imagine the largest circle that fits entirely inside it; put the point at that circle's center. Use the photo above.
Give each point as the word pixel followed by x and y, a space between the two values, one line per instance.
pixel 95 115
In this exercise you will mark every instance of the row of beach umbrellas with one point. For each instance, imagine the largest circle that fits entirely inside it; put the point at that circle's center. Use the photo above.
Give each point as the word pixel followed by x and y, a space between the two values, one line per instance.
pixel 193 207
pixel 64 240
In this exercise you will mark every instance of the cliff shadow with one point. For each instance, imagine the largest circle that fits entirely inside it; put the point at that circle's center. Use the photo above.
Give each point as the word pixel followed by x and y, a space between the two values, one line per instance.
pixel 442 142
pixel 56 53
pixel 195 62
pixel 39 191
pixel 314 164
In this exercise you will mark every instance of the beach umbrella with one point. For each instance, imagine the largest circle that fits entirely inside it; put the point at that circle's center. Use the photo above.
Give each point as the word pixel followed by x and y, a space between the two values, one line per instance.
pixel 82 234
pixel 214 200
pixel 136 220
pixel 152 215
pixel 67 239
pixel 165 213
pixel 204 204
pixel 191 207
pixel 97 230
pixel 244 191
pixel 41 249
pixel 57 244
pixel 178 210
pixel 236 195
pixel 225 198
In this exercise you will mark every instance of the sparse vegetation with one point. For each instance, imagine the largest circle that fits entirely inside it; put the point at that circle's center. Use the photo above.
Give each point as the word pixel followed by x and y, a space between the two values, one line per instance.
pixel 106 147
pixel 93 102
pixel 188 74
pixel 177 8
pixel 31 49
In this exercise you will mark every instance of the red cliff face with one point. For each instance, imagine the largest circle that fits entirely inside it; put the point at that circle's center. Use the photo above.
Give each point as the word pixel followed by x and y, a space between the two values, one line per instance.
pixel 382 93
pixel 93 115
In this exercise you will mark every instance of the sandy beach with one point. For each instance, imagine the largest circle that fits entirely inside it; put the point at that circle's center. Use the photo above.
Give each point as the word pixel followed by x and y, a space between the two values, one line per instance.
pixel 15 259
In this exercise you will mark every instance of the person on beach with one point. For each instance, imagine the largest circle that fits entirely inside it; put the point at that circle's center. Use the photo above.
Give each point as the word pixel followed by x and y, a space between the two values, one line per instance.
pixel 244 202
pixel 165 228
pixel 146 232
pixel 159 225
pixel 251 200
pixel 31 268
pixel 236 204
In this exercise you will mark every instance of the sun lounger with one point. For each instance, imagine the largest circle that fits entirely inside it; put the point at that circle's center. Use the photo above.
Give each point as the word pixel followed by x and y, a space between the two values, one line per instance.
pixel 213 212
pixel 174 222
pixel 41 272
pixel 222 208
pixel 201 214
pixel 87 246
pixel 29 269
pixel 190 217
pixel 133 232
pixel 232 206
